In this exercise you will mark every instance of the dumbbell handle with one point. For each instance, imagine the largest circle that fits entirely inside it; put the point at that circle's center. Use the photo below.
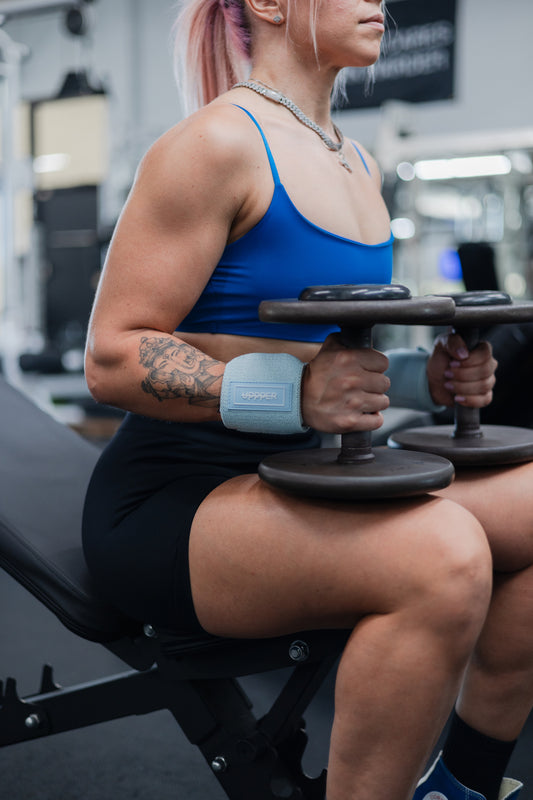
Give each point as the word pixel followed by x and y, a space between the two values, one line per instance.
pixel 466 419
pixel 356 446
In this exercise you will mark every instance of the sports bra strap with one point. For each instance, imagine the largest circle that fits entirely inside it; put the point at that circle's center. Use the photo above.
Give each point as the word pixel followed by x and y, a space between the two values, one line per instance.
pixel 271 161
pixel 362 158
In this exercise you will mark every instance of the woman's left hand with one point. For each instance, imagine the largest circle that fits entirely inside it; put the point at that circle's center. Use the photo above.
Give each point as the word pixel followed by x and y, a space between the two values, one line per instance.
pixel 456 375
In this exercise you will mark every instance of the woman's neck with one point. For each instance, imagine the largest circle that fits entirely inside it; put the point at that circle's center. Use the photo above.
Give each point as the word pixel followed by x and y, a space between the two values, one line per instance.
pixel 310 92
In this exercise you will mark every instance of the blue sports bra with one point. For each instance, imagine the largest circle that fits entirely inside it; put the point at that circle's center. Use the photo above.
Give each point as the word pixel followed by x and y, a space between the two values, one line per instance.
pixel 281 255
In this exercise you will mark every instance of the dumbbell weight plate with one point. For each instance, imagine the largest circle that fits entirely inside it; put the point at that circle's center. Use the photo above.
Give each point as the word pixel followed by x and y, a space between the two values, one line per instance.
pixel 391 474
pixel 479 316
pixel 359 313
pixel 387 473
pixel 499 444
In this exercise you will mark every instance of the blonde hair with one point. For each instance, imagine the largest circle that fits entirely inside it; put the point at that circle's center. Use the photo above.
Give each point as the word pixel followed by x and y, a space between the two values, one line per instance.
pixel 212 48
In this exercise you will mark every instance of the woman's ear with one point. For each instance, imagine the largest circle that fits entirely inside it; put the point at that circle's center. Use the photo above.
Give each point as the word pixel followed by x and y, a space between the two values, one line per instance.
pixel 267 10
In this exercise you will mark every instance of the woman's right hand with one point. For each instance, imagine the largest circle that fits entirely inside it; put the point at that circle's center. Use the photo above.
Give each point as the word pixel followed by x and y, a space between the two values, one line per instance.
pixel 344 389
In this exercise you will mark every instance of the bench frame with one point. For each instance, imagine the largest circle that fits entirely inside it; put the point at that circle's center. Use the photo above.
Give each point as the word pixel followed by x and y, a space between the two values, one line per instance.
pixel 194 677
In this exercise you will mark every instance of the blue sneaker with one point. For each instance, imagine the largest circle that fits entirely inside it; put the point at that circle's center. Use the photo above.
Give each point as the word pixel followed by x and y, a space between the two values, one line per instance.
pixel 439 784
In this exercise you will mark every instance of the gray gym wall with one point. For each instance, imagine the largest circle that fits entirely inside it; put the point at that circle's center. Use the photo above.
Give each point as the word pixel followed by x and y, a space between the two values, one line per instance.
pixel 129 51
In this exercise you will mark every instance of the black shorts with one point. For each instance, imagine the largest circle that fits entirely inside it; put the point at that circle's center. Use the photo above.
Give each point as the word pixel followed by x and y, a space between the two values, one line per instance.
pixel 141 501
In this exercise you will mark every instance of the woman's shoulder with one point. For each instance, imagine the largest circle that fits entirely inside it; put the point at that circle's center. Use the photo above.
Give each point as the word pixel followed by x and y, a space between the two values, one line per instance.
pixel 201 165
pixel 216 137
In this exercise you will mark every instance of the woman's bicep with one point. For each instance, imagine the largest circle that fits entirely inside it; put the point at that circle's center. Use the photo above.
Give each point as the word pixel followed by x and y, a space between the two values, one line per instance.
pixel 158 263
pixel 153 275
pixel 170 235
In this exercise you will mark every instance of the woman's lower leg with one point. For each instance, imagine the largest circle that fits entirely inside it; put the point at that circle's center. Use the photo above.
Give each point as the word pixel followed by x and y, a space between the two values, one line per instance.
pixel 396 685
pixel 497 692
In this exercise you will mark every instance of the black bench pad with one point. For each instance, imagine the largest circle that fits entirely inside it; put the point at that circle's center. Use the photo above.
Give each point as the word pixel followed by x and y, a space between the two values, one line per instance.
pixel 44 471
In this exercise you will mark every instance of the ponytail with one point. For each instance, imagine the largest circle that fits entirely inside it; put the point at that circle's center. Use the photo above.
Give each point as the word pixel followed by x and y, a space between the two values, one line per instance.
pixel 212 45
pixel 211 50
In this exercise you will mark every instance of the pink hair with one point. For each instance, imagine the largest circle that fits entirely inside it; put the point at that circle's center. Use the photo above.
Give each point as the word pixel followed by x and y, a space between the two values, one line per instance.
pixel 212 48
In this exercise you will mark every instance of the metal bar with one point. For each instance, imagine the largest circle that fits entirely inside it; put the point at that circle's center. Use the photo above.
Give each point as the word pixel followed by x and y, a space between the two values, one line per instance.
pixel 18 8
pixel 10 99
pixel 294 698
pixel 11 54
pixel 124 695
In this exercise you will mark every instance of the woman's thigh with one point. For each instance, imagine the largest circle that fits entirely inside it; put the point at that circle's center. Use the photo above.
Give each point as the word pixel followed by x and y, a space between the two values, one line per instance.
pixel 502 500
pixel 263 562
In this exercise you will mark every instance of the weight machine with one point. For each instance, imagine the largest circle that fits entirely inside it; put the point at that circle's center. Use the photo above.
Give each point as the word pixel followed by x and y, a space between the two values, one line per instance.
pixel 20 303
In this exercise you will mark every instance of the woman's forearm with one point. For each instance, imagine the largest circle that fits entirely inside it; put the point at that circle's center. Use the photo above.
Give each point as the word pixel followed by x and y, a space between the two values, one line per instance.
pixel 158 375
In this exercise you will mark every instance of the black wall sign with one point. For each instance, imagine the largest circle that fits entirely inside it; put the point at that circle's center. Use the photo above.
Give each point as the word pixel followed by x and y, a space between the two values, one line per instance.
pixel 417 61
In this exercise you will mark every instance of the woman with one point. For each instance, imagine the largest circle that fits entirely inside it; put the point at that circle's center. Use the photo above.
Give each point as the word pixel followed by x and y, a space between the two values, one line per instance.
pixel 244 200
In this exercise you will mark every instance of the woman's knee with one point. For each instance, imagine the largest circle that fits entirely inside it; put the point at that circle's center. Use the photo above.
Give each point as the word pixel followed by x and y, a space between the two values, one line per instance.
pixel 456 577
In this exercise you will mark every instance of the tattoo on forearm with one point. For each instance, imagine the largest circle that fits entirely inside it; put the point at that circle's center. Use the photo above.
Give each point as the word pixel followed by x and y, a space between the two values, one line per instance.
pixel 177 370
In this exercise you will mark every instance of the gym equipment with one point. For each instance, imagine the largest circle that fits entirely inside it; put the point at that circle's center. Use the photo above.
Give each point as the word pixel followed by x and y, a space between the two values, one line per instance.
pixel 466 443
pixel 11 307
pixel 357 471
pixel 193 676
pixel 18 8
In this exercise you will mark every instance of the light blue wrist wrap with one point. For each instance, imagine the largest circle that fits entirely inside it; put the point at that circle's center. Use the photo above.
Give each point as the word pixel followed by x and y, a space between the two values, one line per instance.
pixel 261 394
pixel 409 383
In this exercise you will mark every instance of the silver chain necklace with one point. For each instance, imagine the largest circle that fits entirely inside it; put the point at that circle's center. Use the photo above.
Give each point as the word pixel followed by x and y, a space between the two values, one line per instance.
pixel 277 97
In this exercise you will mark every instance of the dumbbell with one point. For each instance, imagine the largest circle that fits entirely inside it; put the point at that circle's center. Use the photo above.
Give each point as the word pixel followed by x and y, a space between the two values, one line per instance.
pixel 465 442
pixel 357 471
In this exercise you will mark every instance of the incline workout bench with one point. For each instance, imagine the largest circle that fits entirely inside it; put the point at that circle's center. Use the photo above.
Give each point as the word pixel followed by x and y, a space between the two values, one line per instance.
pixel 44 471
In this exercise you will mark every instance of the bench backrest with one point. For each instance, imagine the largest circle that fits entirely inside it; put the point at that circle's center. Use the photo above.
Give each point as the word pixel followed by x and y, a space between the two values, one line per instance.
pixel 44 471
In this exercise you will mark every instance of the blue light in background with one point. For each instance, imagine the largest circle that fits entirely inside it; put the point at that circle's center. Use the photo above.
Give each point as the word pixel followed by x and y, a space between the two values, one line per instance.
pixel 450 265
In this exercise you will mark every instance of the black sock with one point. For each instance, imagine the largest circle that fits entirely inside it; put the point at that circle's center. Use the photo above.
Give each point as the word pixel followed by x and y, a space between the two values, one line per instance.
pixel 475 760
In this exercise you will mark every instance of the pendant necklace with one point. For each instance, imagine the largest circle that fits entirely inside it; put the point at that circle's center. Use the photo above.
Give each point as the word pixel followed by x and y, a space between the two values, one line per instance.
pixel 277 97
